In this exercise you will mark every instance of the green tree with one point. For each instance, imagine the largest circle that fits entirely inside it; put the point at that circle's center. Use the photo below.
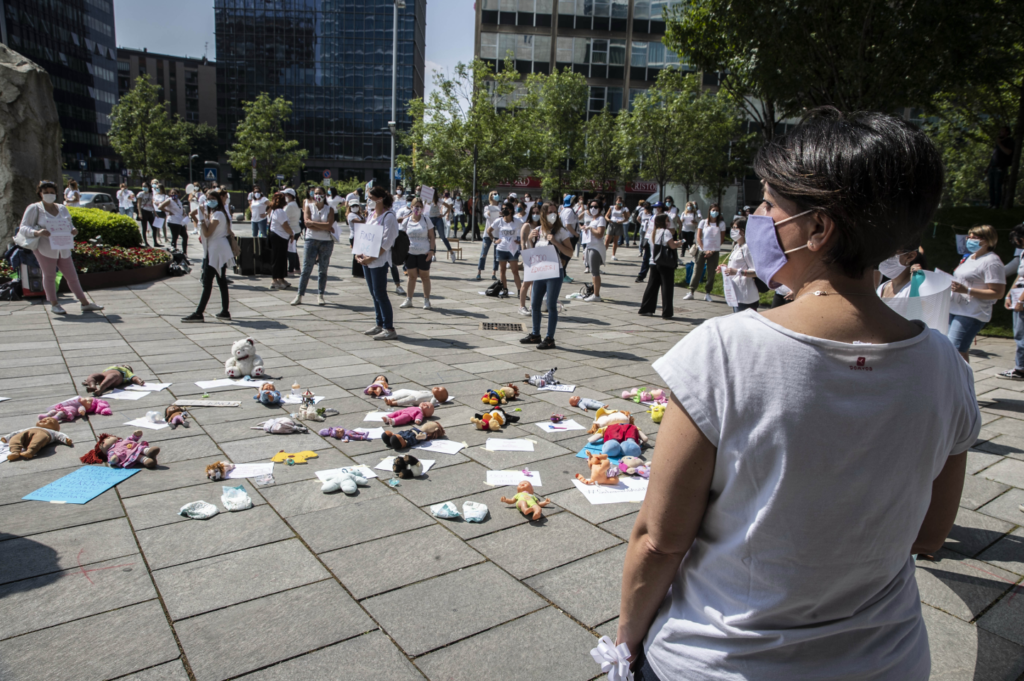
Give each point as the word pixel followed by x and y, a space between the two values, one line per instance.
pixel 260 136
pixel 143 133
pixel 200 140
pixel 600 165
pixel 556 113
pixel 720 150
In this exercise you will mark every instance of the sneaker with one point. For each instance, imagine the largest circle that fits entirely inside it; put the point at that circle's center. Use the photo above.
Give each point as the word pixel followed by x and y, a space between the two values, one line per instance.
pixel 372 332
pixel 567 279
pixel 478 278
pixel 525 312
pixel 386 335
pixel 1012 375
pixel 193 318
pixel 494 277
pixel 406 303
pixel 224 316
pixel 399 290
pixel 532 338
pixel 427 305
pixel 546 344
pixel 91 307
pixel 286 286
pixel 688 296
pixel 297 300
pixel 707 297
pixel 57 309
pixel 638 280
pixel 592 299
pixel 274 286
pixel 614 258
pixel 320 299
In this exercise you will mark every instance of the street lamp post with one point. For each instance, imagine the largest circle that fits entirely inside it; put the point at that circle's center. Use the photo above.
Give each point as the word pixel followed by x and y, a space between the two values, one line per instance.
pixel 190 159
pixel 399 4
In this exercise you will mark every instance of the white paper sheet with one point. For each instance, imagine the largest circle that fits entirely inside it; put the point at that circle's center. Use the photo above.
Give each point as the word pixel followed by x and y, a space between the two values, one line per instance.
pixel 373 433
pixel 540 263
pixel 146 423
pixel 443 446
pixel 59 242
pixel 366 471
pixel 219 383
pixel 124 395
pixel 251 470
pixel 512 478
pixel 148 387
pixel 158 223
pixel 385 464
pixel 559 388
pixel 628 490
pixel 251 382
pixel 376 416
pixel 295 399
pixel 4 399
pixel 567 424
pixel 499 445
pixel 367 239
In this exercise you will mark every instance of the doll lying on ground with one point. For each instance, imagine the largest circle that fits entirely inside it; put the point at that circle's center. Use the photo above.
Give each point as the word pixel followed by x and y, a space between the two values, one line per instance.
pixel 585 403
pixel 281 426
pixel 528 503
pixel 606 417
pixel 500 396
pixel 645 396
pixel 620 439
pixel 541 380
pixel 176 416
pixel 119 452
pixel 631 465
pixel 25 444
pixel 219 471
pixel 408 415
pixel 110 378
pixel 268 395
pixel 343 434
pixel 406 438
pixel 69 410
pixel 493 420
pixel 311 412
pixel 599 467
pixel 379 387
pixel 407 398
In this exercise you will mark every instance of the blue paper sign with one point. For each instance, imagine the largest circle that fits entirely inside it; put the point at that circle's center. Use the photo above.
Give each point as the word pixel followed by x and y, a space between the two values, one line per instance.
pixel 82 486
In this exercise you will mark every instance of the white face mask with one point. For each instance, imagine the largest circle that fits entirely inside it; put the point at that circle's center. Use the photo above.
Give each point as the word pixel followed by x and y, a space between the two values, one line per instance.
pixel 551 217
pixel 594 211
pixel 735 234
pixel 49 198
pixel 319 198
pixel 891 267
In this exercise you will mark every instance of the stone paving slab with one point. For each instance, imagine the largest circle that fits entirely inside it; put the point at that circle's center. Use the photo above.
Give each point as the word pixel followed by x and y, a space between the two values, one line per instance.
pixel 40 554
pixel 962 587
pixel 370 657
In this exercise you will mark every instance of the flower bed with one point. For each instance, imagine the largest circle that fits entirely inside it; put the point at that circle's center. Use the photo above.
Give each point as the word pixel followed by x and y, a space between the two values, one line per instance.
pixel 90 259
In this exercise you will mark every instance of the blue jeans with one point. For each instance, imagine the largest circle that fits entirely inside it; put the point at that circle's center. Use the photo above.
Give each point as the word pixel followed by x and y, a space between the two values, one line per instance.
pixel 377 280
pixel 962 331
pixel 441 231
pixel 130 212
pixel 483 254
pixel 259 228
pixel 550 288
pixel 1018 335
pixel 615 449
pixel 316 249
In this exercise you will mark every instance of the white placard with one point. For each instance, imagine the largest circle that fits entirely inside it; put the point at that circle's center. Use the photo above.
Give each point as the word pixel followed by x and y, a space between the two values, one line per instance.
pixel 372 433
pixel 427 194
pixel 568 424
pixel 148 387
pixel 250 470
pixel 559 388
pixel 386 463
pixel 376 416
pixel 541 263
pixel 365 470
pixel 146 423
pixel 512 478
pixel 60 241
pixel 495 444
pixel 729 286
pixel 931 306
pixel 367 239
pixel 124 395
pixel 158 223
pixel 443 446
pixel 297 399
pixel 628 490
pixel 219 383
pixel 207 403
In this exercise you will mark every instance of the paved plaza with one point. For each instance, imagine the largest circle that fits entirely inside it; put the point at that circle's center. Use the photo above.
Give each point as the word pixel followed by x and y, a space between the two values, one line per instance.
pixel 307 585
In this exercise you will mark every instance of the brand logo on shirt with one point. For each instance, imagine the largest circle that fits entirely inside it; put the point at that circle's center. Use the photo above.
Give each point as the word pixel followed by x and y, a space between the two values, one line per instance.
pixel 861 365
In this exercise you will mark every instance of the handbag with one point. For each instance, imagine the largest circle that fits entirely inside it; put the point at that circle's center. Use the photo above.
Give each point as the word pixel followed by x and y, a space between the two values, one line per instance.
pixel 666 257
pixel 29 243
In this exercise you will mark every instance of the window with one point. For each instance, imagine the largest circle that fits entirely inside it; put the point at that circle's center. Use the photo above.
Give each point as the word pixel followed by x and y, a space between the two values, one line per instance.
pixel 639 56
pixel 604 96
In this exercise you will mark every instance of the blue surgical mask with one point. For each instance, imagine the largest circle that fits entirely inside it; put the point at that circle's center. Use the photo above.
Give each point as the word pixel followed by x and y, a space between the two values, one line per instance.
pixel 974 245
pixel 765 251
pixel 714 213
pixel 212 203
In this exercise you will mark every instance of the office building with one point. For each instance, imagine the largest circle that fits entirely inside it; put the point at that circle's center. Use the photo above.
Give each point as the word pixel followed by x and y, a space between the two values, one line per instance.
pixel 187 85
pixel 74 41
pixel 332 60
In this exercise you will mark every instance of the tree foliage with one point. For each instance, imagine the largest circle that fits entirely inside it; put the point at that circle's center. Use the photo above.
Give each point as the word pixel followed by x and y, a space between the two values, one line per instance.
pixel 143 133
pixel 260 136
pixel 556 106
pixel 600 165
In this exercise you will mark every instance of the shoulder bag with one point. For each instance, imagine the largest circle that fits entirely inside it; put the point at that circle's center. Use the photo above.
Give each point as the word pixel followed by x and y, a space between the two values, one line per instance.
pixel 29 243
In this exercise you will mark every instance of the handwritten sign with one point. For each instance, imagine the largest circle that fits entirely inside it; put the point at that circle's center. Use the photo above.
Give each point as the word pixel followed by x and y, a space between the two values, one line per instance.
pixel 729 286
pixel 207 403
pixel 81 486
pixel 628 490
pixel 512 478
pixel 427 194
pixel 61 240
pixel 540 263
pixel 367 238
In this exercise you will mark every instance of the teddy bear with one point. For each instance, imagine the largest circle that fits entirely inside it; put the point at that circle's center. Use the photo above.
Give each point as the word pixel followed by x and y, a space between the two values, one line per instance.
pixel 493 420
pixel 244 361
pixel 346 481
pixel 268 395
pixel 528 503
pixel 119 452
pixel 585 403
pixel 282 425
pixel 406 467
pixel 379 387
pixel 410 415
pixel 219 471
pixel 500 396
pixel 541 380
pixel 69 410
pixel 176 416
pixel 311 412
pixel 430 430
pixel 344 434
pixel 606 417
pixel 407 398
pixel 25 444
pixel 110 378
pixel 631 465
pixel 599 467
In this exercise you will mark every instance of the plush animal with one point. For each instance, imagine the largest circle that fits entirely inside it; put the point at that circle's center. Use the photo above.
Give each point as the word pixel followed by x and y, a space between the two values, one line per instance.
pixel 585 403
pixel 219 471
pixel 494 419
pixel 119 452
pixel 407 398
pixel 292 459
pixel 528 503
pixel 599 466
pixel 541 380
pixel 283 425
pixel 69 410
pixel 176 416
pixel 343 434
pixel 500 396
pixel 268 395
pixel 311 412
pixel 25 444
pixel 410 415
pixel 430 430
pixel 631 465
pixel 346 481
pixel 657 412
pixel 379 387
pixel 645 396
pixel 244 361
pixel 110 378
pixel 406 467
pixel 557 418
pixel 606 417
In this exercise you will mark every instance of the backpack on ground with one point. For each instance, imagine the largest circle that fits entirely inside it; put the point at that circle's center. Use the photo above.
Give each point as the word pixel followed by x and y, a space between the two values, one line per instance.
pixel 587 290
pixel 494 290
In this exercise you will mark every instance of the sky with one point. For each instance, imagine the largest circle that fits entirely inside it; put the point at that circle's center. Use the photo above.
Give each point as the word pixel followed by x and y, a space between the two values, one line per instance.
pixel 188 30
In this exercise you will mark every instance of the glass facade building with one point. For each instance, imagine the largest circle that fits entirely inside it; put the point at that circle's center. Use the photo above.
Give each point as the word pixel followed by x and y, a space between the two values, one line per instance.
pixel 74 41
pixel 332 60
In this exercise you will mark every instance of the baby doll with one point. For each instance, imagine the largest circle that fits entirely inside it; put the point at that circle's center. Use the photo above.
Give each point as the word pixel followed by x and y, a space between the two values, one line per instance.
pixel 500 396
pixel 599 467
pixel 69 410
pixel 528 503
pixel 631 465
pixel 622 439
pixel 585 403
pixel 110 378
pixel 410 415
pixel 268 395
pixel 25 444
pixel 176 416
pixel 606 417
pixel 404 438
pixel 122 452
pixel 541 380
pixel 343 434
pixel 406 467
pixel 379 387
pixel 407 398
pixel 219 471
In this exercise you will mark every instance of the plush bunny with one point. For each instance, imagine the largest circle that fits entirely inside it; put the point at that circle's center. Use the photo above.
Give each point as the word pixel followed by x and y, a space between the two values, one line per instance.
pixel 311 412
pixel 541 380
pixel 346 481
pixel 244 361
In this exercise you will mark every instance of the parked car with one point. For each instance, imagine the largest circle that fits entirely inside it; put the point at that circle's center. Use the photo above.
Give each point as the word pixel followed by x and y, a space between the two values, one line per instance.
pixel 98 200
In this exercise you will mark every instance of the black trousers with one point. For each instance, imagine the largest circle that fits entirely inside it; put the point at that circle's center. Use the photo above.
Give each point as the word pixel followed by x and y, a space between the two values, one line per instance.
pixel 645 264
pixel 208 275
pixel 182 231
pixel 278 256
pixel 663 278
pixel 687 239
pixel 146 217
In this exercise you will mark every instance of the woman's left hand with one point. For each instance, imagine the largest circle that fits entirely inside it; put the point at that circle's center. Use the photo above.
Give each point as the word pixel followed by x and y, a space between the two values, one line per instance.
pixel 430 256
pixel 730 271
pixel 957 287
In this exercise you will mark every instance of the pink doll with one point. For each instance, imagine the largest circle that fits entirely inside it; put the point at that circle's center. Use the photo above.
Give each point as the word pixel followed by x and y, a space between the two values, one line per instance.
pixel 122 452
pixel 69 410
pixel 176 416
pixel 410 415
pixel 343 434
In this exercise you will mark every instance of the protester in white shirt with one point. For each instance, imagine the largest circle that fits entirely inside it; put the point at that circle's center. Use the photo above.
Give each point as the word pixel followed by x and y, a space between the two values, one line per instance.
pixel 593 241
pixel 1014 302
pixel 492 212
pixel 126 201
pixel 375 267
pixel 72 197
pixel 649 212
pixel 551 232
pixel 665 260
pixel 978 282
pixel 738 275
pixel 688 224
pixel 420 231
pixel 217 255
pixel 258 212
pixel 616 217
pixel 505 232
pixel 336 203
pixel 709 241
pixel 899 269
pixel 532 222
pixel 176 220
pixel 318 243
pixel 282 228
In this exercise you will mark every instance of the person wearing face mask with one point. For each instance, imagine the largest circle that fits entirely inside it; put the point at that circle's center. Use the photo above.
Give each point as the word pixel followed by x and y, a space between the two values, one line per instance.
pixel 616 217
pixel 401 203
pixel 433 211
pixel 899 269
pixel 505 231
pixel 282 229
pixel 1014 301
pixel 258 211
pixel 551 232
pixel 355 216
pixel 72 197
pixel 375 267
pixel 593 240
pixel 688 224
pixel 492 213
pixel 421 252
pixel 336 203
pixel 176 220
pixel 569 219
pixel 532 223
pixel 45 220
pixel 978 282
pixel 126 201
pixel 217 256
pixel 159 200
pixel 297 219
pixel 798 438
pixel 651 211
pixel 709 240
pixel 319 244
pixel 665 263
pixel 144 208
pixel 459 215
pixel 738 275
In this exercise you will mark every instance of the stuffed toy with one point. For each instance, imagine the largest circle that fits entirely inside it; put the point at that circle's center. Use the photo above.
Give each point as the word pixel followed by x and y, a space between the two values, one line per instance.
pixel 500 396
pixel 292 459
pixel 219 471
pixel 404 438
pixel 620 439
pixel 631 465
pixel 644 396
pixel 311 412
pixel 585 403
pixel 268 395
pixel 346 481
pixel 599 466
pixel 528 503
pixel 25 444
pixel 176 416
pixel 69 410
pixel 379 387
pixel 110 378
pixel 493 420
pixel 557 418
pixel 410 415
pixel 541 380
pixel 244 361
pixel 408 398
pixel 406 467
pixel 657 412
pixel 343 434
pixel 606 417
pixel 119 452
pixel 283 425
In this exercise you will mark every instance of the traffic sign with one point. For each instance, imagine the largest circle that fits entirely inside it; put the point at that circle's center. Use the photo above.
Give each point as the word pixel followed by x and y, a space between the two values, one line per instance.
pixel 398 173
pixel 209 174
pixel 327 174
pixel 327 182
pixel 280 178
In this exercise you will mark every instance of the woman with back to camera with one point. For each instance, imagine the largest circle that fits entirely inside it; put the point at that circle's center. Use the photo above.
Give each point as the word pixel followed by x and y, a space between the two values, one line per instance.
pixel 781 517
pixel 282 230
pixel 214 227
pixel 664 262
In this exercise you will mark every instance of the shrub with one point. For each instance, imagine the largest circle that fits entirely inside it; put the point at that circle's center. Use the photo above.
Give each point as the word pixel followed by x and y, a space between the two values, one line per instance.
pixel 92 259
pixel 115 229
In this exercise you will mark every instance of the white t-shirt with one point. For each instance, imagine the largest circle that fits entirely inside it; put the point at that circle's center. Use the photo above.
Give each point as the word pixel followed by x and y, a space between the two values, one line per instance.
pixel 334 202
pixel 743 287
pixel 71 197
pixel 647 223
pixel 711 232
pixel 689 221
pixel 419 234
pixel 569 219
pixel 902 293
pixel 258 208
pixel 125 197
pixel 278 217
pixel 318 215
pixel 826 454
pixel 217 248
pixel 491 213
pixel 976 272
pixel 592 241
pixel 294 214
pixel 507 234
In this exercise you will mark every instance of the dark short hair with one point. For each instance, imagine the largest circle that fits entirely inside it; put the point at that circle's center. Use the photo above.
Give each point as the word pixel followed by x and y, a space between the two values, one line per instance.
pixel 382 193
pixel 876 176
pixel 1017 232
pixel 45 184
pixel 740 223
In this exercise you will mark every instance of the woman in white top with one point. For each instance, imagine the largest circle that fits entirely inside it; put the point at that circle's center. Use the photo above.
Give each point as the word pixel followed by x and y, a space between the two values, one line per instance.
pixel 281 232
pixel 420 231
pixel 505 233
pixel 258 212
pixel 664 258
pixel 319 244
pixel 738 275
pixel 126 201
pixel 532 222
pixel 593 242
pixel 215 229
pixel 337 203
pixel 709 241
pixel 899 268
pixel 492 212
pixel 807 452
pixel 1016 307
pixel 551 232
pixel 978 282
pixel 616 217
pixel 72 197
pixel 688 224
pixel 174 213
pixel 159 198
pixel 375 267
pixel 49 222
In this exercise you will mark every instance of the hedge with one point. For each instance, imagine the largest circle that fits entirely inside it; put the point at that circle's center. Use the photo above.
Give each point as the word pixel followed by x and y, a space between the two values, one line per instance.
pixel 114 228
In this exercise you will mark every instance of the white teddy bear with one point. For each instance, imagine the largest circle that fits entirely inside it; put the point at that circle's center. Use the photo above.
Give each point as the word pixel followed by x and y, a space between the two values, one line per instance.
pixel 346 481
pixel 244 361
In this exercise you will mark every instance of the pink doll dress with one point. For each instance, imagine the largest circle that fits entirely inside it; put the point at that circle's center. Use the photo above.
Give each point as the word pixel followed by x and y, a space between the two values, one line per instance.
pixel 407 415
pixel 127 451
